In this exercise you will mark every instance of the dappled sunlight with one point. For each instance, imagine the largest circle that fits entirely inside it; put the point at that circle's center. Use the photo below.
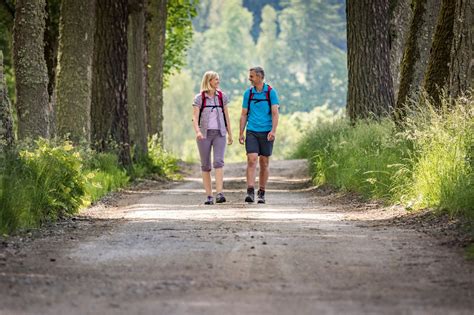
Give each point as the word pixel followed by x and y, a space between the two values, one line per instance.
pixel 252 212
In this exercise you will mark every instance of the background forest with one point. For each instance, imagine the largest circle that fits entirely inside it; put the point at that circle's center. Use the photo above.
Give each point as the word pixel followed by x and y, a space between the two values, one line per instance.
pixel 300 44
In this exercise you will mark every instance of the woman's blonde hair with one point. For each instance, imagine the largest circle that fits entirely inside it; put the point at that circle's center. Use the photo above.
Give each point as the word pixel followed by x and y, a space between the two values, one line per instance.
pixel 206 79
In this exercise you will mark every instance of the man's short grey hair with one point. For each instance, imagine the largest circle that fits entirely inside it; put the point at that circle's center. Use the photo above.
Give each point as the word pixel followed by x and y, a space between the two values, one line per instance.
pixel 258 70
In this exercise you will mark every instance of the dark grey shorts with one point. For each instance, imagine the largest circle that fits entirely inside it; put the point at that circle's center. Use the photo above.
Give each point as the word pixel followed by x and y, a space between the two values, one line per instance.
pixel 256 142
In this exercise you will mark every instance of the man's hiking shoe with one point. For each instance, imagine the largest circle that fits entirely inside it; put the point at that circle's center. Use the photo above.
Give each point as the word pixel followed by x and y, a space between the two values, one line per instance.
pixel 261 196
pixel 209 200
pixel 220 198
pixel 250 195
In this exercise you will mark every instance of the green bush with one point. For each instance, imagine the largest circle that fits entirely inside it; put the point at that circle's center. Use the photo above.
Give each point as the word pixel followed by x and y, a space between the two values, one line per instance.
pixel 429 164
pixel 362 158
pixel 39 185
pixel 103 174
pixel 443 160
pixel 47 180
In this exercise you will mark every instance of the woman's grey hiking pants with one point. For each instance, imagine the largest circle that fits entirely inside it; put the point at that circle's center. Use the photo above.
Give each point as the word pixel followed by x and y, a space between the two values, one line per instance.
pixel 215 141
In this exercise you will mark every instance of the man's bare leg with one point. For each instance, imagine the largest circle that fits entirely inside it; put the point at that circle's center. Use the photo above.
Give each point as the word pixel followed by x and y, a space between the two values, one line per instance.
pixel 264 171
pixel 251 170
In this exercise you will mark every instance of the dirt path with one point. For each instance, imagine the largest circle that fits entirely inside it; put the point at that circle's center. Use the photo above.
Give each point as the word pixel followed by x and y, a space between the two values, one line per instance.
pixel 157 250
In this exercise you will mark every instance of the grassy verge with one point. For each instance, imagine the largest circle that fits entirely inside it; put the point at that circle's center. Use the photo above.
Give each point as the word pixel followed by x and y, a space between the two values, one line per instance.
pixel 427 165
pixel 46 181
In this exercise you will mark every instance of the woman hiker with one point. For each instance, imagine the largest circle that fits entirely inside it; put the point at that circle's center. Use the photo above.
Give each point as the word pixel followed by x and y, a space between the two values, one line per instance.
pixel 212 124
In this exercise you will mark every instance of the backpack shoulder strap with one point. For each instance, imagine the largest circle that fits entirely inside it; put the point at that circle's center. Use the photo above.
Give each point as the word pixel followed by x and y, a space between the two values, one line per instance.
pixel 203 104
pixel 250 99
pixel 269 89
pixel 203 99
pixel 221 101
pixel 220 97
pixel 268 92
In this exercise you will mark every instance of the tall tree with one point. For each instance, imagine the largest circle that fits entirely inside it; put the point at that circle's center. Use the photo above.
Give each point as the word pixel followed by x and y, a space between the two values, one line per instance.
pixel 416 52
pixel 400 18
pixel 310 33
pixel 7 15
pixel 109 111
pixel 437 72
pixel 30 69
pixel 51 41
pixel 137 88
pixel 462 55
pixel 74 77
pixel 179 33
pixel 370 92
pixel 215 49
pixel 266 47
pixel 156 30
pixel 6 121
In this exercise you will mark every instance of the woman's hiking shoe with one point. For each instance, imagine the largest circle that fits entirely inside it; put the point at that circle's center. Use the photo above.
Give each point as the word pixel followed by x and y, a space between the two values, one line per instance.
pixel 220 198
pixel 209 200
pixel 261 196
pixel 250 195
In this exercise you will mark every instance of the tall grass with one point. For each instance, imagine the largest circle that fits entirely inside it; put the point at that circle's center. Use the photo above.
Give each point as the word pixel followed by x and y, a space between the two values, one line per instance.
pixel 48 180
pixel 427 164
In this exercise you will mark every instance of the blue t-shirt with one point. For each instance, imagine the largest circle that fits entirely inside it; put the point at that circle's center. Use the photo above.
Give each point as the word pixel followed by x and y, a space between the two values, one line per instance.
pixel 260 116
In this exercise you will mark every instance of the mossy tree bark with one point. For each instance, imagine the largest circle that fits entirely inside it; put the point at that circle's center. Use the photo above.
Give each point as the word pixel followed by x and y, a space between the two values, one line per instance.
pixel 109 110
pixel 74 76
pixel 137 87
pixel 400 19
pixel 156 26
pixel 51 43
pixel 30 69
pixel 461 78
pixel 416 53
pixel 370 91
pixel 6 120
pixel 437 72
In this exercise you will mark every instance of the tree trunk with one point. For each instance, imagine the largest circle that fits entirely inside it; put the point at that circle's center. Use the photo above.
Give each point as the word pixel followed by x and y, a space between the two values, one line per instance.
pixel 74 77
pixel 136 78
pixel 461 78
pixel 370 91
pixel 157 10
pixel 30 69
pixel 51 43
pixel 6 121
pixel 109 80
pixel 437 73
pixel 417 52
pixel 401 15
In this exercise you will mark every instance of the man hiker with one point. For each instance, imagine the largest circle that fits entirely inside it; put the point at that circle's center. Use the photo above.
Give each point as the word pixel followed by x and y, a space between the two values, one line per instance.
pixel 260 117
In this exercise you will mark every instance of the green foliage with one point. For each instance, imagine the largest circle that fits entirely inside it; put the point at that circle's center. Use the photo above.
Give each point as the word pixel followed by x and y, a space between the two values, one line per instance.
pixel 360 158
pixel 179 33
pixel 308 60
pixel 103 174
pixel 443 173
pixel 159 162
pixel 39 184
pixel 227 48
pixel 302 48
pixel 47 180
pixel 7 9
pixel 428 165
